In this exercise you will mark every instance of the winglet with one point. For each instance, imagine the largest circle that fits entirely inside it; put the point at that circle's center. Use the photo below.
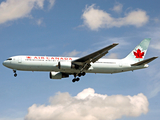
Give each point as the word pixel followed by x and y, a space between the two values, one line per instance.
pixel 144 61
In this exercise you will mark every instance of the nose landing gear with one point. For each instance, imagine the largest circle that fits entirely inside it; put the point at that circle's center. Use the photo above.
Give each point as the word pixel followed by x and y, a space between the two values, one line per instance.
pixel 15 74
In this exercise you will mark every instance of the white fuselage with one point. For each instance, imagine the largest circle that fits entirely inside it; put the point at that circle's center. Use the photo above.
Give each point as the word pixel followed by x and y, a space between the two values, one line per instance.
pixel 45 63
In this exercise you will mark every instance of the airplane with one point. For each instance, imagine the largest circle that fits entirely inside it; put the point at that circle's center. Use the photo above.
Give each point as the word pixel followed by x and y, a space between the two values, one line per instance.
pixel 62 67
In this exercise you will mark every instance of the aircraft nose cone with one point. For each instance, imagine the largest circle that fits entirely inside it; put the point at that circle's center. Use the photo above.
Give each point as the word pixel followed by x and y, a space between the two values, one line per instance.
pixel 4 63
pixel 7 64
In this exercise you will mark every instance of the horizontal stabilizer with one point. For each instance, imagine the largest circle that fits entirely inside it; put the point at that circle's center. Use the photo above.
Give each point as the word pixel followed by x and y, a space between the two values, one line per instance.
pixel 144 61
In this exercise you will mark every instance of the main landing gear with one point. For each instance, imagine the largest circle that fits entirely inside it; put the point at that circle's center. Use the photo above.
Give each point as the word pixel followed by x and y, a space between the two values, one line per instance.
pixel 15 74
pixel 79 75
pixel 75 79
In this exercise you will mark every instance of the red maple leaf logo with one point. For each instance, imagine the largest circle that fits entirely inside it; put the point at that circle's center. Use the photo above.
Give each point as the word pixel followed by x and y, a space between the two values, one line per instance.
pixel 28 57
pixel 139 54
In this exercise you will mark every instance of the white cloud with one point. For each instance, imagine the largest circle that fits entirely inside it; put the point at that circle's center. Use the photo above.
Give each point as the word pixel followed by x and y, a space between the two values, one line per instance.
pixel 40 3
pixel 15 9
pixel 71 54
pixel 153 84
pixel 95 18
pixel 156 45
pixel 112 56
pixel 11 118
pixel 88 105
pixel 118 8
pixel 154 33
pixel 156 20
pixel 39 22
pixel 52 2
pixel 122 41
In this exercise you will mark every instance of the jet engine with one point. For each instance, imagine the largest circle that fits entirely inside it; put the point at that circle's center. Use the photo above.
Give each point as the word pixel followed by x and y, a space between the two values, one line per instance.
pixel 58 75
pixel 64 65
pixel 67 65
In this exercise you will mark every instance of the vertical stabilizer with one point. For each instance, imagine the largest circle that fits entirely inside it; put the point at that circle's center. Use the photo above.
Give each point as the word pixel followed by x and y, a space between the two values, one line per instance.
pixel 139 51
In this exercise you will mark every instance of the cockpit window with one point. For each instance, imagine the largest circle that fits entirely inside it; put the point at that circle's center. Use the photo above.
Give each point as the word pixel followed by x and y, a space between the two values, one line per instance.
pixel 9 59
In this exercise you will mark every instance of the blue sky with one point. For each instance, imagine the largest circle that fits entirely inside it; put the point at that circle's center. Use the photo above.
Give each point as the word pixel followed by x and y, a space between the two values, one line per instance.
pixel 77 28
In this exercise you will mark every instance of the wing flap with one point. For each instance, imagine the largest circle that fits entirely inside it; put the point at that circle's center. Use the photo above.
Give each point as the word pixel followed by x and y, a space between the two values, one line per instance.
pixel 144 61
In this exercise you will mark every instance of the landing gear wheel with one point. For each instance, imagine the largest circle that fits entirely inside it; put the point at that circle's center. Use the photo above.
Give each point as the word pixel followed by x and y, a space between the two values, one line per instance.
pixel 83 74
pixel 79 74
pixel 73 80
pixel 77 79
pixel 15 75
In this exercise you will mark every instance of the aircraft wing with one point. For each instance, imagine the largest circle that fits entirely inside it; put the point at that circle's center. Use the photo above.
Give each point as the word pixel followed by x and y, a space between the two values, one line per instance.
pixel 85 61
pixel 144 61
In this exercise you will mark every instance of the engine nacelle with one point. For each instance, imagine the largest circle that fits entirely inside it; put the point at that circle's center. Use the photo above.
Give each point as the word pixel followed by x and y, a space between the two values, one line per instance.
pixel 57 75
pixel 67 65
pixel 64 65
